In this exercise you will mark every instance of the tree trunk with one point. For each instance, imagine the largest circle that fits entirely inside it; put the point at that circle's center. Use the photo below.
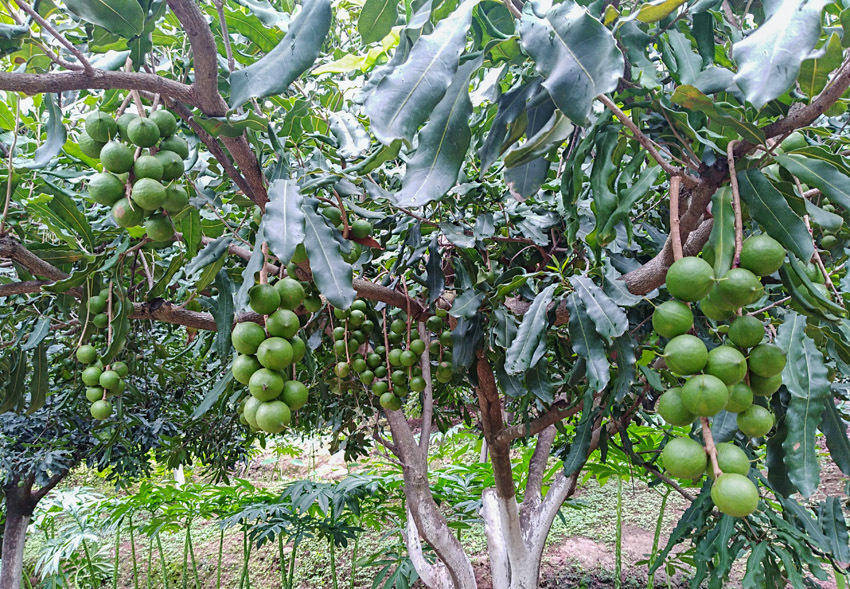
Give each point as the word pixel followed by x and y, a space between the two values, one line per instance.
pixel 18 512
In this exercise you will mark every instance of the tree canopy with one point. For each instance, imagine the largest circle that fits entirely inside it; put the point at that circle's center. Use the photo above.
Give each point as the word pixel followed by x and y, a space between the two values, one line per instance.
pixel 375 219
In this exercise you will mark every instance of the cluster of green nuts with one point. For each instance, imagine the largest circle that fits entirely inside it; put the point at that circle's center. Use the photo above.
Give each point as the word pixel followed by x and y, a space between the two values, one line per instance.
pixel 267 357
pixel 97 309
pixel 732 376
pixel 142 161
pixel 102 382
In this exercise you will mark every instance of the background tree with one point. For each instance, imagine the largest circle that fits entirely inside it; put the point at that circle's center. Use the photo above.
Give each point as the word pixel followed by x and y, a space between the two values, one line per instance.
pixel 525 173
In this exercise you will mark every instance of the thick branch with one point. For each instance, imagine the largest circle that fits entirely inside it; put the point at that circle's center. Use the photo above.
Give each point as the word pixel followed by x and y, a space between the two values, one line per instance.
pixel 100 79
pixel 492 422
pixel 23 287
pixel 558 411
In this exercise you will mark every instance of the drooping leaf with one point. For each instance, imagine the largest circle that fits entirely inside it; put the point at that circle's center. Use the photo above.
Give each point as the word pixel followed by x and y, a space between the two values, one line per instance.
pixel 769 59
pixel 525 179
pixel 274 72
pixel 722 238
pixel 376 19
pixel 587 344
pixel 56 136
pixel 267 14
pixel 283 221
pixel 211 253
pixel 834 430
pixel 834 526
pixel 332 274
pixel 773 213
pixel 523 352
pixel 121 17
pixel 213 395
pixel 232 125
pixel 574 52
pixel 405 96
pixel 688 63
pixel 223 313
pixel 255 262
pixel 806 379
pixel 510 106
pixel 443 143
pixel 580 443
pixel 190 228
pixel 820 174
pixel 466 337
pixel 40 380
pixel 610 320
pixel 436 280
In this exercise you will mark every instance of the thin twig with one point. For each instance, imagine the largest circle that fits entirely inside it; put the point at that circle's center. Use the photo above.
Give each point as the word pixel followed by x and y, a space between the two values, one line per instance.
pixel 10 169
pixel 675 232
pixel 645 141
pixel 770 306
pixel 62 40
pixel 736 203
pixel 225 36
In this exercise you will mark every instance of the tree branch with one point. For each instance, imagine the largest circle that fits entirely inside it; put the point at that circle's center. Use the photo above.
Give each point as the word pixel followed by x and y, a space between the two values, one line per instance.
pixel 98 79
pixel 558 411
pixel 492 422
pixel 651 275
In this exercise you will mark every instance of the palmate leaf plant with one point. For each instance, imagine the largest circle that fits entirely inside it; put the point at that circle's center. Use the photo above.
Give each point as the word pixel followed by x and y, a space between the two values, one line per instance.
pixel 555 223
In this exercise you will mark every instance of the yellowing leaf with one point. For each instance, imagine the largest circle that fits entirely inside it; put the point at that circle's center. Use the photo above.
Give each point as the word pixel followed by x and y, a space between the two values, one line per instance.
pixel 655 11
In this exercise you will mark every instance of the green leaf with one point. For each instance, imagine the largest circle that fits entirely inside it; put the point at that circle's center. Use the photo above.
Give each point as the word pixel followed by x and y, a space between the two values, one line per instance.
pixel 580 444
pixel 754 575
pixel 443 143
pixel 38 333
pixel 376 19
pixel 255 262
pixel 610 320
pixel 511 105
pixel 56 136
pixel 283 221
pixel 223 313
pixel 211 253
pixel 332 274
pixel 820 174
pixel 70 217
pixel 14 386
pixel 352 138
pixel 587 344
pixel 834 526
pixel 121 17
pixel 405 97
pixel 688 63
pixel 466 304
pixel 436 280
pixel 692 99
pixel 296 52
pixel 722 238
pixel 771 210
pixel 213 395
pixel 575 53
pixel 529 344
pixel 232 125
pixel 769 59
pixel 806 379
pixel 525 179
pixel 121 309
pixel 814 73
pixel 267 14
pixel 654 11
pixel 551 135
pixel 834 429
pixel 40 379
pixel 190 227
pixel 12 37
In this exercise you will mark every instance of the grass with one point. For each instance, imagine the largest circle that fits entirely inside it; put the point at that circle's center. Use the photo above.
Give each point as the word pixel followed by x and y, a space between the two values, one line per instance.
pixel 591 515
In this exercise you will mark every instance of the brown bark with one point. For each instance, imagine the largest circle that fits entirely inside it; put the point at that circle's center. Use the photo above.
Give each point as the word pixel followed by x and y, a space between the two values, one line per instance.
pixel 97 79
pixel 493 423
pixel 19 508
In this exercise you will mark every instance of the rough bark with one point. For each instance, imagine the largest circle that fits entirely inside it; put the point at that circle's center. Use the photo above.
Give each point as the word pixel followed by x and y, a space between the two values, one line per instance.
pixel 454 565
pixel 19 508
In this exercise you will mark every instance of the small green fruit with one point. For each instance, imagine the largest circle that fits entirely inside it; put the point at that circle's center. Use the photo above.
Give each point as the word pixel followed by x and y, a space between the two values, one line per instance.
pixel 684 458
pixel 143 132
pixel 672 318
pixel 690 278
pixel 116 157
pixel 165 122
pixel 685 354
pixel 148 166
